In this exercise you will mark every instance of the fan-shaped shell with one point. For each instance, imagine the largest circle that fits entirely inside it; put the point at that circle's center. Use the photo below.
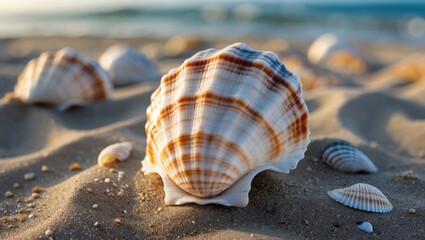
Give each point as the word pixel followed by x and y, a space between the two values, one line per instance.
pixel 62 79
pixel 126 65
pixel 344 157
pixel 362 196
pixel 221 118
pixel 114 152
pixel 338 54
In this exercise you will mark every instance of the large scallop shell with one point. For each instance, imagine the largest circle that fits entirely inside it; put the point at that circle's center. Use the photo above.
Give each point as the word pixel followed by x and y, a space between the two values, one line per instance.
pixel 362 196
pixel 62 79
pixel 344 157
pixel 338 54
pixel 221 118
pixel 126 65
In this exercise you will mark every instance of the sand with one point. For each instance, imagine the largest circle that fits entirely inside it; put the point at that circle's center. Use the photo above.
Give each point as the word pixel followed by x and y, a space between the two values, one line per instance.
pixel 386 122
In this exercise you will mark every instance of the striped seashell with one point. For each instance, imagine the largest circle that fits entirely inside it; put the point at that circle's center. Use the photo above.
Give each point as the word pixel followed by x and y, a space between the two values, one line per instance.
pixel 63 79
pixel 344 157
pixel 113 153
pixel 338 54
pixel 362 196
pixel 221 118
pixel 126 65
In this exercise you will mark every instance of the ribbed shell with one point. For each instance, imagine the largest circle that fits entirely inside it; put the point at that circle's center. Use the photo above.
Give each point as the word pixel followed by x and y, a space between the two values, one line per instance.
pixel 114 152
pixel 63 79
pixel 344 157
pixel 222 117
pixel 126 65
pixel 362 196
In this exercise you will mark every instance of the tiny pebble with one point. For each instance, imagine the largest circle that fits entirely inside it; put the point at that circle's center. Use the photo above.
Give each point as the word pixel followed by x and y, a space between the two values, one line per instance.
pixel 121 173
pixel 96 180
pixel 159 209
pixel 117 221
pixel 193 222
pixel 29 176
pixel 74 167
pixel 8 194
pixel 125 211
pixel 94 206
pixel 107 180
pixel 16 185
pixel 96 224
pixel 373 144
pixel 36 189
pixel 365 226
pixel 32 215
pixel 49 233
pixel 31 205
pixel 120 194
pixel 21 210
pixel 112 170
pixel 412 211
pixel 44 168
pixel 9 226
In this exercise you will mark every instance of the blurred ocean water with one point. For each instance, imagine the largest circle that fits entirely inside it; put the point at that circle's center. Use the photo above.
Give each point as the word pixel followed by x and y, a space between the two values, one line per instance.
pixel 369 22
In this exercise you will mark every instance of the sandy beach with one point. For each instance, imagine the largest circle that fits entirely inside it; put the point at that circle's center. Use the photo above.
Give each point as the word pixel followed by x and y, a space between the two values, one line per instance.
pixel 379 112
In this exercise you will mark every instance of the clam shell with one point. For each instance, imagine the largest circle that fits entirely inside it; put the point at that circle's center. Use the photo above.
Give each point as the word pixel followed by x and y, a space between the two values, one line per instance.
pixel 219 119
pixel 362 196
pixel 114 152
pixel 338 54
pixel 63 79
pixel 126 65
pixel 344 157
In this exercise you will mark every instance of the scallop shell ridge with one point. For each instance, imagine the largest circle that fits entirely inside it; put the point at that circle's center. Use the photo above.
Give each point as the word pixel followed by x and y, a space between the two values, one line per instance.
pixel 220 119
pixel 62 79
pixel 362 196
pixel 344 157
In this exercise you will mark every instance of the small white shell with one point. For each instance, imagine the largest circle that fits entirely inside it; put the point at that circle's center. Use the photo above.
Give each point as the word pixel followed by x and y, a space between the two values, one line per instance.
pixel 344 157
pixel 337 54
pixel 126 65
pixel 62 79
pixel 365 226
pixel 114 152
pixel 362 196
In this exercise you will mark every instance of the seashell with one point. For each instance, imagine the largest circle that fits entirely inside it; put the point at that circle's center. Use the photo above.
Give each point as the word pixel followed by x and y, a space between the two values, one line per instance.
pixel 219 119
pixel 338 54
pixel 63 79
pixel 362 196
pixel 365 226
pixel 344 157
pixel 126 65
pixel 114 152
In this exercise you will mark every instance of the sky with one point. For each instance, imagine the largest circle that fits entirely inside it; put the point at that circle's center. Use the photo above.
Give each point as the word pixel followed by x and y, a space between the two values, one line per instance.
pixel 59 6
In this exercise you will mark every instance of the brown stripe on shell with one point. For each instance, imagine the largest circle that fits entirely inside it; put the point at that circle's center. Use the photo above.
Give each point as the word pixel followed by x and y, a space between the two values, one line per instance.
pixel 371 197
pixel 234 103
pixel 186 158
pixel 273 81
pixel 184 140
pixel 98 86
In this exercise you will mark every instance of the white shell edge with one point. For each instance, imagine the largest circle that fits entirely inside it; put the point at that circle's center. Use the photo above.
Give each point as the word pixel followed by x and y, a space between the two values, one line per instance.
pixel 236 195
